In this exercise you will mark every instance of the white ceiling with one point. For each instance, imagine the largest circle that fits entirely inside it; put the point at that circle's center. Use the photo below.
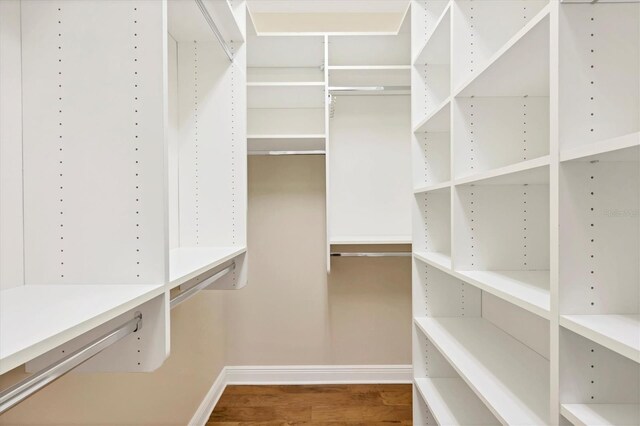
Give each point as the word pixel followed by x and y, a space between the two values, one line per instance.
pixel 327 6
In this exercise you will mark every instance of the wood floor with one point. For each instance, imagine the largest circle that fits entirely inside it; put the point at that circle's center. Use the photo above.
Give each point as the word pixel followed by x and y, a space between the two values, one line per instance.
pixel 329 405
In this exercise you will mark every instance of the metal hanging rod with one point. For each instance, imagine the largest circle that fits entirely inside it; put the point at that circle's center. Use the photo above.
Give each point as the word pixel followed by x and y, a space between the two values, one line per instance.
pixel 181 297
pixel 308 152
pixel 352 90
pixel 32 384
pixel 214 28
pixel 372 254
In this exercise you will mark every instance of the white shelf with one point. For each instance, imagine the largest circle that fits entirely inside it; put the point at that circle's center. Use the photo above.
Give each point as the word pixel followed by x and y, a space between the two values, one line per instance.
pixel 623 148
pixel 188 263
pixel 285 96
pixel 222 14
pixel 437 48
pixel 373 239
pixel 526 289
pixel 441 261
pixel 285 83
pixel 602 414
pixel 439 120
pixel 528 53
pixel 509 377
pixel 531 172
pixel 620 333
pixel 368 67
pixel 286 142
pixel 451 402
pixel 434 188
pixel 35 319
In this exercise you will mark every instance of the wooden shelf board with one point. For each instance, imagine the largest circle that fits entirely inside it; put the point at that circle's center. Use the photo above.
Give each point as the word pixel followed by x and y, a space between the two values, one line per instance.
pixel 528 52
pixel 526 289
pixel 441 261
pixel 509 377
pixel 622 148
pixel 436 50
pixel 440 187
pixel 437 120
pixel 186 263
pixel 35 319
pixel 451 402
pixel 620 333
pixel 531 172
pixel 602 414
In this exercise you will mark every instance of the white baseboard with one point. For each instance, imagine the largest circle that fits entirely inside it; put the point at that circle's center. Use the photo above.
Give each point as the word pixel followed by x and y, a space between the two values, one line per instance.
pixel 298 375
pixel 318 374
pixel 210 400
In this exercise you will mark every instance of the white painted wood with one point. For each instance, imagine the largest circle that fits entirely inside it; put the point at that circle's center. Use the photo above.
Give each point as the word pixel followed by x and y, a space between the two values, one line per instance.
pixel 11 213
pixel 286 142
pixel 368 51
pixel 432 222
pixel 599 71
pixel 438 187
pixel 602 414
pixel 620 333
pixel 437 47
pixel 187 263
pixel 35 319
pixel 510 378
pixel 94 201
pixel 441 261
pixel 368 76
pixel 529 172
pixel 370 194
pixel 203 413
pixel 452 403
pixel 286 97
pixel 283 74
pixel 437 120
pixel 623 148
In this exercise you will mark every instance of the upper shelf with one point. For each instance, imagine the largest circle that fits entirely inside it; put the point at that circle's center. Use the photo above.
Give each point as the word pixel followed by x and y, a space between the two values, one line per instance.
pixel 439 120
pixel 188 263
pixel 35 319
pixel 437 49
pixel 602 414
pixel 530 172
pixel 511 378
pixel 519 68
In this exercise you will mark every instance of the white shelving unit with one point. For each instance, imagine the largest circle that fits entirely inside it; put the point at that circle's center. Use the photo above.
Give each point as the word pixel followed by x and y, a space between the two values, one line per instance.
pixel 526 173
pixel 108 226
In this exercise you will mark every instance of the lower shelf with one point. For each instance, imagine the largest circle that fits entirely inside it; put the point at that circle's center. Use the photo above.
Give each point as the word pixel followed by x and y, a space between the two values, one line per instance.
pixel 437 260
pixel 189 262
pixel 35 319
pixel 509 377
pixel 451 402
pixel 620 333
pixel 602 414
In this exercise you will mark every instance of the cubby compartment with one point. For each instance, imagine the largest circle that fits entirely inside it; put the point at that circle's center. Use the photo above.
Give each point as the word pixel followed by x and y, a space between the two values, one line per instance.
pixel 207 151
pixel 477 358
pixel 432 227
pixel 599 68
pixel 371 50
pixel 600 248
pixel 496 34
pixel 598 386
pixel 502 234
pixel 491 133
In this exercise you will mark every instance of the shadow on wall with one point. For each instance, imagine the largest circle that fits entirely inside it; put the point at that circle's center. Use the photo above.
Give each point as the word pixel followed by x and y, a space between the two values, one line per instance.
pixel 292 312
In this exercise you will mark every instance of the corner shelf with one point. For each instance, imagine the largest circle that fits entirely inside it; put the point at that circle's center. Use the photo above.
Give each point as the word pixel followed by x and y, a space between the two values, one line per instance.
pixel 620 333
pixel 509 377
pixel 528 52
pixel 188 263
pixel 35 319
pixel 451 402
pixel 602 414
